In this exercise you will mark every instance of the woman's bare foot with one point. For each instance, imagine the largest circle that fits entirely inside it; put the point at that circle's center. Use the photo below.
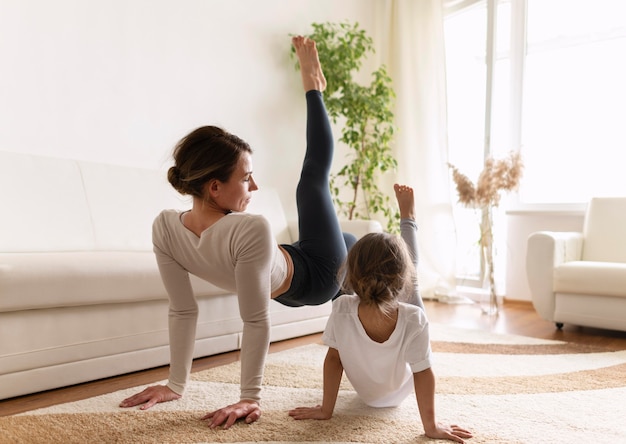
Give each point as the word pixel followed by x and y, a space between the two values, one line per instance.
pixel 310 68
pixel 406 201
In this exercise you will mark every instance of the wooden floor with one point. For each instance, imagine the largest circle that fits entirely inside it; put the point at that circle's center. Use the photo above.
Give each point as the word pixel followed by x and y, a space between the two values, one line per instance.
pixel 515 318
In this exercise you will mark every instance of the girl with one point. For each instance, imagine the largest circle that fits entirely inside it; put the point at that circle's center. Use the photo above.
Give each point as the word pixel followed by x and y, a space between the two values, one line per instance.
pixel 380 342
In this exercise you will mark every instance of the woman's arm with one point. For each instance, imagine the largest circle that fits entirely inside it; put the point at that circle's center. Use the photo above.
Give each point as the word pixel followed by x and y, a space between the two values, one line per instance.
pixel 254 248
pixel 333 371
pixel 183 317
pixel 424 382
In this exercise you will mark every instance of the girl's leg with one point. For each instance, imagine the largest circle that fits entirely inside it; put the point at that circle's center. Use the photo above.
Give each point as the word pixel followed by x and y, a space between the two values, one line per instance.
pixel 408 232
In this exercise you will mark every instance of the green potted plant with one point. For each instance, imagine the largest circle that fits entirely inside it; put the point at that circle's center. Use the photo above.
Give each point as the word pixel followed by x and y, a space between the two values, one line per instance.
pixel 366 118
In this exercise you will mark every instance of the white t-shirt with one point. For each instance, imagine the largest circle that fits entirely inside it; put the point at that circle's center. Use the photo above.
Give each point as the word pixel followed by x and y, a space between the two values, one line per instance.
pixel 381 373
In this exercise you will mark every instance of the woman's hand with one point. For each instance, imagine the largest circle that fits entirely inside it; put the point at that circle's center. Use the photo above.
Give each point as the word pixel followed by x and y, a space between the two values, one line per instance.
pixel 309 413
pixel 453 433
pixel 250 410
pixel 151 396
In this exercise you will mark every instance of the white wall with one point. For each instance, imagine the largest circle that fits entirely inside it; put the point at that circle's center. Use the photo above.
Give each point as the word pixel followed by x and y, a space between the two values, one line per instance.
pixel 120 81
pixel 520 225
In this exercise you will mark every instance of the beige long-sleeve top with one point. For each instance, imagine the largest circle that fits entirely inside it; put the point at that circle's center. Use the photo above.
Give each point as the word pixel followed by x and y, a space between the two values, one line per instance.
pixel 239 254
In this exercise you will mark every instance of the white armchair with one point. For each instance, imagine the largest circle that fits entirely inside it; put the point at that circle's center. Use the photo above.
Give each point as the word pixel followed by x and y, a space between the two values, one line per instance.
pixel 580 278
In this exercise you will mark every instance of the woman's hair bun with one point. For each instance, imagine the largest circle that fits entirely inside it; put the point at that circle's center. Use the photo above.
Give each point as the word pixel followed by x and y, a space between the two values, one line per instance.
pixel 175 179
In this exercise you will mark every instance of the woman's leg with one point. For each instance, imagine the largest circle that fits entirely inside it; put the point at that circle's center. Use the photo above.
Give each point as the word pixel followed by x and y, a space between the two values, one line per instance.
pixel 321 239
pixel 408 232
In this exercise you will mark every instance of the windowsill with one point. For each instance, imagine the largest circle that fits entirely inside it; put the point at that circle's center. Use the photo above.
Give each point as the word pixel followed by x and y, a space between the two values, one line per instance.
pixel 547 210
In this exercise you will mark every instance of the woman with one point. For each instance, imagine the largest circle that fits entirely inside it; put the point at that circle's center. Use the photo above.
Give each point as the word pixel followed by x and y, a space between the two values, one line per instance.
pixel 217 241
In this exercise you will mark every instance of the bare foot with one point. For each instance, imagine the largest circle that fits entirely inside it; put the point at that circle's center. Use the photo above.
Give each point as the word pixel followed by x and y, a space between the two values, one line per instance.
pixel 406 201
pixel 310 68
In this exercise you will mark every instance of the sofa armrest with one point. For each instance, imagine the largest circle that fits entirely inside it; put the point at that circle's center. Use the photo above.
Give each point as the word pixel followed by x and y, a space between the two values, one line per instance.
pixel 358 228
pixel 545 251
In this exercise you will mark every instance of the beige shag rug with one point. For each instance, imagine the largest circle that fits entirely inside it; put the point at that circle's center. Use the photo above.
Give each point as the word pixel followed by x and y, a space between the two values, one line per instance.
pixel 505 388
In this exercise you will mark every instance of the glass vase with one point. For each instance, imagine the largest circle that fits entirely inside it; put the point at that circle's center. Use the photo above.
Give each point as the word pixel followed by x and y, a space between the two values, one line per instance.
pixel 489 299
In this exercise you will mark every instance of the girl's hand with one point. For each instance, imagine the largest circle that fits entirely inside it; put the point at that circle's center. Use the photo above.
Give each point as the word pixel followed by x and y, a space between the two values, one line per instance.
pixel 453 433
pixel 309 413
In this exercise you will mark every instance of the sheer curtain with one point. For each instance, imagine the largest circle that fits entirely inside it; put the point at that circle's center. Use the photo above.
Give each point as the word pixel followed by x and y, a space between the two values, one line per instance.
pixel 413 50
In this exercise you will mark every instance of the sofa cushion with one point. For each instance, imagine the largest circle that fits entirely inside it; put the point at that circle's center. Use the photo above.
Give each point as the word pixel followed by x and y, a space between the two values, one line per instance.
pixel 42 280
pixel 123 203
pixel 43 205
pixel 605 230
pixel 586 277
pixel 265 201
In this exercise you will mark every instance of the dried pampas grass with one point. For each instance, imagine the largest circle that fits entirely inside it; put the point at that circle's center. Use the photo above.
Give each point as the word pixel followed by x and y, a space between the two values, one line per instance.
pixel 497 175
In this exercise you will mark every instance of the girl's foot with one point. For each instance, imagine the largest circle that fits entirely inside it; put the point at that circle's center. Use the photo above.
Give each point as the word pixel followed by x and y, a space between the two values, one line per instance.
pixel 406 201
pixel 310 68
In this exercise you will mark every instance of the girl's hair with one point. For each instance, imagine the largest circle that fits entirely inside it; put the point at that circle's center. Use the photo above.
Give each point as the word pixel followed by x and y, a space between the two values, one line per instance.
pixel 379 270
pixel 205 154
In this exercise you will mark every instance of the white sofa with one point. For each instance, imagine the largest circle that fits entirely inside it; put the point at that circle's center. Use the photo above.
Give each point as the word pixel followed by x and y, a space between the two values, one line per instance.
pixel 580 278
pixel 80 294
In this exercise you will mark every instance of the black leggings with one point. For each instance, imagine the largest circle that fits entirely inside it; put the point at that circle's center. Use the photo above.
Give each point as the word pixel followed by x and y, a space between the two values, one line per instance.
pixel 322 247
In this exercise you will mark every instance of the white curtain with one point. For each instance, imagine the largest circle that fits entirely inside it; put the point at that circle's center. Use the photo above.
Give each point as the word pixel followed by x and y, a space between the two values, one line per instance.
pixel 415 57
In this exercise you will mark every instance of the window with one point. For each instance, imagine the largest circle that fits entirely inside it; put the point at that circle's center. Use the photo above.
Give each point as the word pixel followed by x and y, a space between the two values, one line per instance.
pixel 574 102
pixel 568 121
pixel 558 95
pixel 465 33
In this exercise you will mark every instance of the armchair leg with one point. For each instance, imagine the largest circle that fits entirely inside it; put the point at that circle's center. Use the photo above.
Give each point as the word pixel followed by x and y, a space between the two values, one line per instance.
pixel 559 325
